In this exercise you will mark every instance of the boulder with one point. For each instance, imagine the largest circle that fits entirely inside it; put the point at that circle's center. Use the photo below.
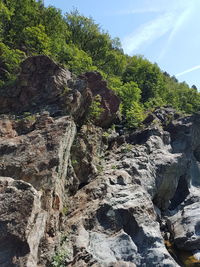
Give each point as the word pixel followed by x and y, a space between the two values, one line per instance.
pixel 22 223
pixel 109 101
pixel 45 85
pixel 39 86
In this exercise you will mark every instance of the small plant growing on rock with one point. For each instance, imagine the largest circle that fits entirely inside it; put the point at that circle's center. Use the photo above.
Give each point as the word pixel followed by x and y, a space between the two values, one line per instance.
pixel 126 148
pixel 106 134
pixel 113 167
pixel 74 162
pixel 59 259
pixel 95 109
pixel 99 168
pixel 29 116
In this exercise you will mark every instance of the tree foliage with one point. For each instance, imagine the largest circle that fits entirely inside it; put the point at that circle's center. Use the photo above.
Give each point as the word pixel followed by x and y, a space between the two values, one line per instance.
pixel 27 28
pixel 35 40
pixel 9 63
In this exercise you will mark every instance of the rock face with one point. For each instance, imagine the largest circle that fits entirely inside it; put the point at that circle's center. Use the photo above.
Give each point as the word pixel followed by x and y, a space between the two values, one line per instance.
pixel 39 155
pixel 40 85
pixel 147 192
pixel 44 85
pixel 22 223
pixel 74 195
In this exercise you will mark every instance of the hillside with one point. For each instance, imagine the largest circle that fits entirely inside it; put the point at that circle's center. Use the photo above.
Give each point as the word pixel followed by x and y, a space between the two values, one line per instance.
pixel 27 28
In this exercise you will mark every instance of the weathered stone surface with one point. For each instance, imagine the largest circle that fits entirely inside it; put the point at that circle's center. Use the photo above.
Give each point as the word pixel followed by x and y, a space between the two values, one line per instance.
pixel 44 85
pixel 109 101
pixel 185 224
pixel 40 85
pixel 39 155
pixel 103 207
pixel 113 218
pixel 86 152
pixel 22 223
pixel 114 221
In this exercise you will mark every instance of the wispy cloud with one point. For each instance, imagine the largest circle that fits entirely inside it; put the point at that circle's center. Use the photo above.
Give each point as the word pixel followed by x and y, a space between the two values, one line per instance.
pixel 169 19
pixel 188 70
pixel 138 11
pixel 148 6
pixel 148 32
pixel 182 18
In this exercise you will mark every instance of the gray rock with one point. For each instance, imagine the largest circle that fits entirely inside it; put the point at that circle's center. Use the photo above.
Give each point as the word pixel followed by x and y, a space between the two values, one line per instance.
pixel 185 224
pixel 22 223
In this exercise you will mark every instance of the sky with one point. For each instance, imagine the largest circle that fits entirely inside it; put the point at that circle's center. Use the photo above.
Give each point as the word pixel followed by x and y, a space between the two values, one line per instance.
pixel 165 32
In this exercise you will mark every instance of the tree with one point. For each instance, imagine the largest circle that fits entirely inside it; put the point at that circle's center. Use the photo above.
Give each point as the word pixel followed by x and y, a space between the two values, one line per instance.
pixel 147 75
pixel 5 15
pixel 106 53
pixel 135 115
pixel 75 59
pixel 129 94
pixel 24 13
pixel 9 63
pixel 56 29
pixel 35 40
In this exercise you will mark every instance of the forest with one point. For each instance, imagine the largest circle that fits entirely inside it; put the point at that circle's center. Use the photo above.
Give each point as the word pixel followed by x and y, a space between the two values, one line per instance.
pixel 78 43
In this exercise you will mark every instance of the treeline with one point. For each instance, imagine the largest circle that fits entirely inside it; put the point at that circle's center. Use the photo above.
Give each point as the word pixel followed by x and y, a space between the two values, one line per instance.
pixel 27 28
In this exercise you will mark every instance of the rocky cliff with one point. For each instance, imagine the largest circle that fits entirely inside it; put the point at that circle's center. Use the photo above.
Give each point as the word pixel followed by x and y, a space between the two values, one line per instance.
pixel 76 193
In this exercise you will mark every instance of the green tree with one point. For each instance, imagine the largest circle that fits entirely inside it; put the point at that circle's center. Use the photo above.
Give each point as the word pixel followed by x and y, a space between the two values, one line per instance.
pixel 147 75
pixel 129 94
pixel 56 29
pixel 75 60
pixel 35 40
pixel 24 13
pixel 9 63
pixel 5 15
pixel 135 115
pixel 105 52
pixel 95 109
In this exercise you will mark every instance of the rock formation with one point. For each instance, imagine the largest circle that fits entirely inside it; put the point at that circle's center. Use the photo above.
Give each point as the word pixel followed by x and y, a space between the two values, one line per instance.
pixel 75 193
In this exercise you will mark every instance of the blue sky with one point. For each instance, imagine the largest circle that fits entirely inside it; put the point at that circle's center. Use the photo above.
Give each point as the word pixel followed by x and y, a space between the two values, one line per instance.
pixel 164 31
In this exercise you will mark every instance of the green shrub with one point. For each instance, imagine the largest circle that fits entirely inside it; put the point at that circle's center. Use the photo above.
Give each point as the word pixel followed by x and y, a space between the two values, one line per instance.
pixel 59 259
pixel 10 60
pixel 135 115
pixel 95 110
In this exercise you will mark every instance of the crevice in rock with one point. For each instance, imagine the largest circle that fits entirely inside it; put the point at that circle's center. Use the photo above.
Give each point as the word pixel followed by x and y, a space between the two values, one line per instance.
pixel 182 191
pixel 182 257
pixel 81 185
pixel 197 229
pixel 120 219
pixel 106 217
pixel 173 252
pixel 197 153
pixel 129 225
pixel 11 248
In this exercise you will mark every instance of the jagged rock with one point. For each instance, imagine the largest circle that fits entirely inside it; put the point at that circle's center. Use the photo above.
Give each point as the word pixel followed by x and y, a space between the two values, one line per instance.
pixel 115 217
pixel 114 221
pixel 22 223
pixel 40 154
pixel 44 85
pixel 40 84
pixel 185 224
pixel 104 208
pixel 109 101
pixel 86 152
pixel 184 219
pixel 40 157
